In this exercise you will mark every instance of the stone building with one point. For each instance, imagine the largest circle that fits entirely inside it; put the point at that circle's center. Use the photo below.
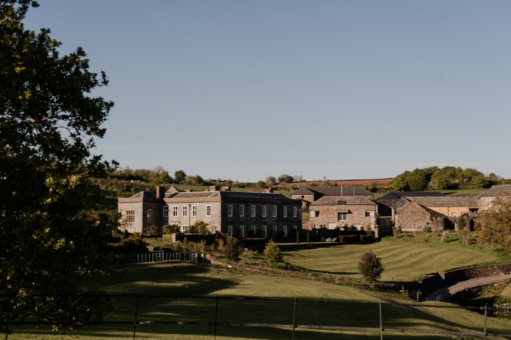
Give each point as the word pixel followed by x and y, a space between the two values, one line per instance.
pixel 487 197
pixel 311 194
pixel 332 211
pixel 241 214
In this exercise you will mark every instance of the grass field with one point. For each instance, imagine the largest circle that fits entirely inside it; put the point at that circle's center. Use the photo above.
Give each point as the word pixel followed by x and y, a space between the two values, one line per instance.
pixel 185 279
pixel 403 261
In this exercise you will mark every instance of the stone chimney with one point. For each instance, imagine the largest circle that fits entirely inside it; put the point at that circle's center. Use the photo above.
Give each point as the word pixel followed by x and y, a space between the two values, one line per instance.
pixel 188 190
pixel 269 191
pixel 214 188
pixel 226 188
pixel 160 192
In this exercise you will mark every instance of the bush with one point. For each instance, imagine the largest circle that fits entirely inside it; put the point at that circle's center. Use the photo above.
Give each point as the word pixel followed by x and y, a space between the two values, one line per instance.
pixel 232 248
pixel 349 238
pixel 366 238
pixel 370 266
pixel 446 237
pixel 272 253
pixel 466 237
pixel 426 229
pixel 171 229
pixel 127 243
pixel 153 229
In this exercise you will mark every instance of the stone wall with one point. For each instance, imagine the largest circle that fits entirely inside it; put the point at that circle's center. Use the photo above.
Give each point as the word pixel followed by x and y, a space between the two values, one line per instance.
pixel 436 281
pixel 413 217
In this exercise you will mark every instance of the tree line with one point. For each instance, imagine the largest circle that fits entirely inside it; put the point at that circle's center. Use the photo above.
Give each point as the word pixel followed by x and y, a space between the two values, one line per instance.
pixel 448 177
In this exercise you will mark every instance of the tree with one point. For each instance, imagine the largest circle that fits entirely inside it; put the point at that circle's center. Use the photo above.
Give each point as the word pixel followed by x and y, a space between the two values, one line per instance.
pixel 52 231
pixel 270 181
pixel 179 176
pixel 260 184
pixel 285 178
pixel 272 253
pixel 494 225
pixel 165 178
pixel 198 180
pixel 232 248
pixel 370 266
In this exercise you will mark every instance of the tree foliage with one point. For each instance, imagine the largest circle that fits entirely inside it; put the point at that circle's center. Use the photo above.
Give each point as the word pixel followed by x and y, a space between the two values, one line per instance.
pixel 270 181
pixel 51 232
pixel 370 266
pixel 232 247
pixel 179 176
pixel 272 253
pixel 494 225
pixel 285 178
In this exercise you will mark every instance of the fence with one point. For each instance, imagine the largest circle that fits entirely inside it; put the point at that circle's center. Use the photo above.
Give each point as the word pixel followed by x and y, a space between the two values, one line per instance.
pixel 216 313
pixel 158 256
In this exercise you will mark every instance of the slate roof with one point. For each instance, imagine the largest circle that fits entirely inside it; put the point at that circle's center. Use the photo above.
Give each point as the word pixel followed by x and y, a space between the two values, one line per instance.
pixel 399 194
pixel 401 204
pixel 446 201
pixel 345 200
pixel 495 190
pixel 243 196
pixel 333 191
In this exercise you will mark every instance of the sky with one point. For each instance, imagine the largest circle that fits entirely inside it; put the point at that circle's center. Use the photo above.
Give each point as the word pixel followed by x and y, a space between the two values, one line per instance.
pixel 243 90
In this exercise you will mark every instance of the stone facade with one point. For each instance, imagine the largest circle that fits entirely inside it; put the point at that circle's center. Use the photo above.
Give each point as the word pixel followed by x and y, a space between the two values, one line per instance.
pixel 412 218
pixel 333 212
pixel 241 214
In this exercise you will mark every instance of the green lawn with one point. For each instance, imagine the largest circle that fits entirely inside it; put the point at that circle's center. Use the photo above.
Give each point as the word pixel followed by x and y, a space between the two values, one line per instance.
pixel 463 192
pixel 403 261
pixel 185 279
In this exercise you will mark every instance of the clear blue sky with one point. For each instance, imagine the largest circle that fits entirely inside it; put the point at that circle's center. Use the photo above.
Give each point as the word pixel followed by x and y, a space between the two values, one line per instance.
pixel 342 89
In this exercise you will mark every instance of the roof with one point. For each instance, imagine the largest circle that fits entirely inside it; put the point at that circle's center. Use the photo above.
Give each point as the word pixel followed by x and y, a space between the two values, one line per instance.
pixel 495 190
pixel 401 204
pixel 333 191
pixel 399 194
pixel 345 200
pixel 446 201
pixel 254 197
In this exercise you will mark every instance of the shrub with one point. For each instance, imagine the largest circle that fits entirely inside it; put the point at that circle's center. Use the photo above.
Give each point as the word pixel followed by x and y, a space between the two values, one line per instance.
pixel 171 229
pixel 426 229
pixel 153 229
pixel 370 266
pixel 446 237
pixel 466 237
pixel 366 238
pixel 272 253
pixel 129 242
pixel 232 248
pixel 349 238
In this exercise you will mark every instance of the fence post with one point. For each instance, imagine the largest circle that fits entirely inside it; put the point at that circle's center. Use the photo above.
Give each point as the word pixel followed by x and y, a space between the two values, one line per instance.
pixel 485 317
pixel 8 317
pixel 135 322
pixel 381 323
pixel 216 314
pixel 294 320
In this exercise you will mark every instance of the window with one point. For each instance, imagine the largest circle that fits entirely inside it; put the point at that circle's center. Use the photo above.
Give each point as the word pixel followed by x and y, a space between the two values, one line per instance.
pixel 295 228
pixel 165 211
pixel 284 211
pixel 242 210
pixel 185 210
pixel 275 229
pixel 208 210
pixel 295 211
pixel 264 211
pixel 253 210
pixel 274 211
pixel 130 216
pixel 368 214
pixel 435 215
pixel 342 216
pixel 316 213
pixel 265 232
pixel 284 230
pixel 185 227
pixel 229 229
pixel 229 210
pixel 194 210
pixel 150 215
pixel 253 230
pixel 174 211
pixel 241 232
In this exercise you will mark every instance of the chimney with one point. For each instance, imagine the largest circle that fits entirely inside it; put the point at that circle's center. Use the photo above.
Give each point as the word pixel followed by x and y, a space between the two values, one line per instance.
pixel 160 192
pixel 188 190
pixel 214 188
pixel 226 188
pixel 269 191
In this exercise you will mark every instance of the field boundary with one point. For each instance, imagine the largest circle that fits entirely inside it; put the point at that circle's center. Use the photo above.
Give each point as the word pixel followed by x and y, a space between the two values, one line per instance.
pixel 7 322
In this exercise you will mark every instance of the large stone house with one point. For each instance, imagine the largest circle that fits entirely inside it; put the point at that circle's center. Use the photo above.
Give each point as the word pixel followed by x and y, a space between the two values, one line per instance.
pixel 241 214
pixel 333 211
pixel 310 194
